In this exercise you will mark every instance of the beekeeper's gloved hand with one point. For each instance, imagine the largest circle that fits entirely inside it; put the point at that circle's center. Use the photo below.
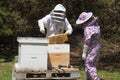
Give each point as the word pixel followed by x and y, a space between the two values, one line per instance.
pixel 67 32
pixel 85 49
pixel 42 30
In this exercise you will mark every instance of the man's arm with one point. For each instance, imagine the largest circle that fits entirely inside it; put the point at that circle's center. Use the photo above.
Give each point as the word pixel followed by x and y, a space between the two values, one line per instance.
pixel 41 26
pixel 68 27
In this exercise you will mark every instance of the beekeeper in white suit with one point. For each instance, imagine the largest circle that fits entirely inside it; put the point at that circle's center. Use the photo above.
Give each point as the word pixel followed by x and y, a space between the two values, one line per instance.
pixel 55 22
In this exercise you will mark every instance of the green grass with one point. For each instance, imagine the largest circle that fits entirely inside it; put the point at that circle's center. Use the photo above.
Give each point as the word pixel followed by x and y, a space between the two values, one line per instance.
pixel 6 73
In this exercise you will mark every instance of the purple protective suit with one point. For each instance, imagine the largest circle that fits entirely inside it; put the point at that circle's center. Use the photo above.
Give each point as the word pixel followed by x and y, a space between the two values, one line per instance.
pixel 91 39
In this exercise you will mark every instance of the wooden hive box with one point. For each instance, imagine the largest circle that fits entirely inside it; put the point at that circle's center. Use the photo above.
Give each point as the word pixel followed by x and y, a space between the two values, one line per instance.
pixel 58 54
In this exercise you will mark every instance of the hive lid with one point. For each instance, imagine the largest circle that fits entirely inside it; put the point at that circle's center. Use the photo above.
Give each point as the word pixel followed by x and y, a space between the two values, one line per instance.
pixel 32 40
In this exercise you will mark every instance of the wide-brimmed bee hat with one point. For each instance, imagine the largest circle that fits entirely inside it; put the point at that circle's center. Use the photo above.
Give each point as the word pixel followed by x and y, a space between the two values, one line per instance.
pixel 83 17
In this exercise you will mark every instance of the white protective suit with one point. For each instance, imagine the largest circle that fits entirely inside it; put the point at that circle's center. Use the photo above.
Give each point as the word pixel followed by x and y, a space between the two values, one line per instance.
pixel 55 22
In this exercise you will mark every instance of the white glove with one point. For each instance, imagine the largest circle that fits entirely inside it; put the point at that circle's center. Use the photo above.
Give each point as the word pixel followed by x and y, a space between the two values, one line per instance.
pixel 42 30
pixel 85 49
pixel 68 32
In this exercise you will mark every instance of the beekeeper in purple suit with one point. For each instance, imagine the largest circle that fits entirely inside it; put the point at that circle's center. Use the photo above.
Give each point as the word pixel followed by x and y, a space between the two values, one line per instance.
pixel 91 43
pixel 55 22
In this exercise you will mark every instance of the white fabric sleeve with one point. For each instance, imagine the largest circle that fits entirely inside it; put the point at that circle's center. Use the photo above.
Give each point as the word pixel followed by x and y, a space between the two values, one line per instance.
pixel 44 22
pixel 68 27
pixel 40 24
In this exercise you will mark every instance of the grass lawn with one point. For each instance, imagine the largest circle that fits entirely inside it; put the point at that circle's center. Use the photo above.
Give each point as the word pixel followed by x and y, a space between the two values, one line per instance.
pixel 105 75
pixel 6 73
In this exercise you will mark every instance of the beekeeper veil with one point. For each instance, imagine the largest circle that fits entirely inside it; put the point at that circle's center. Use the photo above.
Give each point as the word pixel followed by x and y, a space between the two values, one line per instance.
pixel 58 13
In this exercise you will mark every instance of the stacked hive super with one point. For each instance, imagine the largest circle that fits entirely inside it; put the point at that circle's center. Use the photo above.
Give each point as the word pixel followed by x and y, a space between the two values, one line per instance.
pixel 59 52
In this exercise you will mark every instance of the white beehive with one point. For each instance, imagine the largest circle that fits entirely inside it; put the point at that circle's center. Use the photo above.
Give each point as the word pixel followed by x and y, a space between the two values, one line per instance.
pixel 32 53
